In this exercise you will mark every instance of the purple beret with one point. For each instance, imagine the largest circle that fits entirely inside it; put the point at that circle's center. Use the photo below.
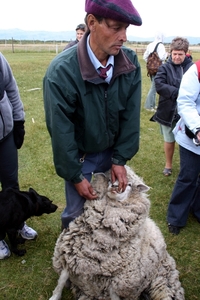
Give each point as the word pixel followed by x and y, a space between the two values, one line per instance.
pixel 119 10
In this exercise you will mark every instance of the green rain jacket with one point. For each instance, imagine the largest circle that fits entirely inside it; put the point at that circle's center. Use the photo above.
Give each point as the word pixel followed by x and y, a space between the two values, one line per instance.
pixel 85 114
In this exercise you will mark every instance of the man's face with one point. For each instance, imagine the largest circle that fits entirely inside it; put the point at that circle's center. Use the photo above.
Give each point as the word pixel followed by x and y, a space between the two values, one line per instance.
pixel 79 34
pixel 108 36
pixel 178 56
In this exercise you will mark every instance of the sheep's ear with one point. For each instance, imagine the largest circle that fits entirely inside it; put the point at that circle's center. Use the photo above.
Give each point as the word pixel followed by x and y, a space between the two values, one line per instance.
pixel 143 187
pixel 98 176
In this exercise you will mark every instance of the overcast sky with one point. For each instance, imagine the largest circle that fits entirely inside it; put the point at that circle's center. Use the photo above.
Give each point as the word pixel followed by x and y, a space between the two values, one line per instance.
pixel 171 17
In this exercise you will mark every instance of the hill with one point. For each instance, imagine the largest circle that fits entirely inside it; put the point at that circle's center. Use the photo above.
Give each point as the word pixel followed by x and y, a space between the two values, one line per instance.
pixel 18 34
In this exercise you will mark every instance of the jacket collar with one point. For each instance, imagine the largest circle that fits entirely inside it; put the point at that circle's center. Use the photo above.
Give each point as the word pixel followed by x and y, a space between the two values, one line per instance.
pixel 122 63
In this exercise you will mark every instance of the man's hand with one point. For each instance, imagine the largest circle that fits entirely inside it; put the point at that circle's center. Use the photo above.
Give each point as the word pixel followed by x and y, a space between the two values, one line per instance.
pixel 119 173
pixel 198 135
pixel 85 190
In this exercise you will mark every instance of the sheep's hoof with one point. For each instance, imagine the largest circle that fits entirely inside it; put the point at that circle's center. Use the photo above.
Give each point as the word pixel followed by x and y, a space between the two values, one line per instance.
pixel 68 284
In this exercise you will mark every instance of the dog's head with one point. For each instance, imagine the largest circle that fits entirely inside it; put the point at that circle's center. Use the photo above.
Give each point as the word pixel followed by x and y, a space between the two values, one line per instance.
pixel 43 204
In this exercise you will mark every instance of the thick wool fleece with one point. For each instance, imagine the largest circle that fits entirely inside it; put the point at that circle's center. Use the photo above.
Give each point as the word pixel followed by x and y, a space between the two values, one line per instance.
pixel 114 250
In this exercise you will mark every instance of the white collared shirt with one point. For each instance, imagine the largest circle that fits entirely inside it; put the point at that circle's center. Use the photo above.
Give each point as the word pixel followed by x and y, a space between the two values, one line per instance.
pixel 96 63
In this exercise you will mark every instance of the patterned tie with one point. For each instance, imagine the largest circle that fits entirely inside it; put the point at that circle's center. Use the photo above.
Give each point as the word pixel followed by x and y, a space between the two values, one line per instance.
pixel 103 71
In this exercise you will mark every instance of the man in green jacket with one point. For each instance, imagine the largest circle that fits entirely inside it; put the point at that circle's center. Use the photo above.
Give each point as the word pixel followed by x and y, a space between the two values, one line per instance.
pixel 94 119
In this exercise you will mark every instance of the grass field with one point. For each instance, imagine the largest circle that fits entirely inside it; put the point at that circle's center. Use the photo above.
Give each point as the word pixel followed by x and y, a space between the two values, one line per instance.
pixel 32 277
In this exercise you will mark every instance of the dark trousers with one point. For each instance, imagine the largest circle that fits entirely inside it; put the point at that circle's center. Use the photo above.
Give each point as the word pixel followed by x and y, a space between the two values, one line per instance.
pixel 8 167
pixel 93 163
pixel 8 163
pixel 185 196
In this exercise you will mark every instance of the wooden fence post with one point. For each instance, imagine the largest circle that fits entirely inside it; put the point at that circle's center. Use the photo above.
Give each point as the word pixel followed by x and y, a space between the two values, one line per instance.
pixel 13 50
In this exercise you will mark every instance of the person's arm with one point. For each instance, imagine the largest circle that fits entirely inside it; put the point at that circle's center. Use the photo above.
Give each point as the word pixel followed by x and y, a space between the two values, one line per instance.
pixel 189 93
pixel 127 143
pixel 161 52
pixel 163 88
pixel 11 89
pixel 59 110
pixel 59 113
pixel 10 93
pixel 146 54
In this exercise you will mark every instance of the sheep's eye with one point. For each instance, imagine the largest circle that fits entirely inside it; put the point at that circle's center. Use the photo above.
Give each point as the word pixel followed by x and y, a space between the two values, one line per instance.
pixel 129 184
pixel 114 185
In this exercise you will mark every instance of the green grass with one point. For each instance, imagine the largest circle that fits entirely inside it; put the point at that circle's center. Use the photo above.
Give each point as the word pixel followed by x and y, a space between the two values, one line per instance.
pixel 32 277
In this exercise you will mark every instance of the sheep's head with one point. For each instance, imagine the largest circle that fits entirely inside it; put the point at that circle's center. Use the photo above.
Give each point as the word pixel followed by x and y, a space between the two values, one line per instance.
pixel 113 193
pixel 102 185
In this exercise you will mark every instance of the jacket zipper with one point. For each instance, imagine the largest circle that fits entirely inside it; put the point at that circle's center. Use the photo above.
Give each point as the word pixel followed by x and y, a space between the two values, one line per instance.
pixel 3 129
pixel 106 112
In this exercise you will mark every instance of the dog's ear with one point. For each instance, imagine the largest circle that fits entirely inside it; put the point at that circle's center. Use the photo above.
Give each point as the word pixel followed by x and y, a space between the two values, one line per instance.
pixel 33 194
pixel 32 191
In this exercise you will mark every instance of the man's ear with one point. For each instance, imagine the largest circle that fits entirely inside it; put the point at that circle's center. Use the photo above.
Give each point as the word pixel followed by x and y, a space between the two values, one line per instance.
pixel 91 22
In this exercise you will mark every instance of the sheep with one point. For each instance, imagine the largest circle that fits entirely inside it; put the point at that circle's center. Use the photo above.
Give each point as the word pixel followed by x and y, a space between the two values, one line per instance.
pixel 114 250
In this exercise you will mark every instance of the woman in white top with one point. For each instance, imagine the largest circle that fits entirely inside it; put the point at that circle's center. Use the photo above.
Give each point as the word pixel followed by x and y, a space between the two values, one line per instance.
pixel 186 194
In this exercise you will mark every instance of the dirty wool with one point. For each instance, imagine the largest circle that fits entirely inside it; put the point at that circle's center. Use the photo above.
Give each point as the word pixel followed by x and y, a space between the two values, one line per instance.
pixel 114 250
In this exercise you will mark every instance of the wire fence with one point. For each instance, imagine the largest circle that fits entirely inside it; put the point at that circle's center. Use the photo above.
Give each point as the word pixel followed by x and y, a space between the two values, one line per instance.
pixel 53 47
pixel 56 47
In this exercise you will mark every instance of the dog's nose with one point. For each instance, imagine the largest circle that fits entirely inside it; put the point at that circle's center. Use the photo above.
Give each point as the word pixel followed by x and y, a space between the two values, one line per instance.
pixel 54 207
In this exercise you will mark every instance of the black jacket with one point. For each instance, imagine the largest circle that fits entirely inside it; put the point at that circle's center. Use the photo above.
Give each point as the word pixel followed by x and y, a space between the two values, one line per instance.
pixel 167 83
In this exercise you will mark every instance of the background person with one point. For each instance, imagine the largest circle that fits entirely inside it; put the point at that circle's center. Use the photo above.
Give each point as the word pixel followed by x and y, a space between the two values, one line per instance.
pixel 93 121
pixel 185 197
pixel 80 30
pixel 167 82
pixel 150 103
pixel 11 138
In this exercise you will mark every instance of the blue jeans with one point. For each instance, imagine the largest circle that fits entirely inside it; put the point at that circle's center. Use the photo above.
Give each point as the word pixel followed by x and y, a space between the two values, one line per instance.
pixel 8 163
pixel 93 163
pixel 151 97
pixel 184 196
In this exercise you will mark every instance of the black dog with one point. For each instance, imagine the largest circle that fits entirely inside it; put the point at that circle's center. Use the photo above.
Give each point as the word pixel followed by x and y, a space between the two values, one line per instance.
pixel 15 208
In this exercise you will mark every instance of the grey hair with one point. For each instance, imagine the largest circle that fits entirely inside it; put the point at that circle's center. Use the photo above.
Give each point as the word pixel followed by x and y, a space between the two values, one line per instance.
pixel 179 43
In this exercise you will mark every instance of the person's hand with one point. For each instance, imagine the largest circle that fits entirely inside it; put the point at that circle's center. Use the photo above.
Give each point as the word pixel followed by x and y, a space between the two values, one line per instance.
pixel 198 136
pixel 18 133
pixel 119 173
pixel 85 190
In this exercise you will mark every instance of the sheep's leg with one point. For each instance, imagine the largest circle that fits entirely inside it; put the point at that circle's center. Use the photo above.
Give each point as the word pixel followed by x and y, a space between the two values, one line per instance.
pixel 113 295
pixel 166 285
pixel 61 283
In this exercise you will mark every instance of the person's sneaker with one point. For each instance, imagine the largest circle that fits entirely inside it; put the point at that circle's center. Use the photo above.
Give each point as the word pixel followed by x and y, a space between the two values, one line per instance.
pixel 174 229
pixel 27 232
pixel 4 250
pixel 151 109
